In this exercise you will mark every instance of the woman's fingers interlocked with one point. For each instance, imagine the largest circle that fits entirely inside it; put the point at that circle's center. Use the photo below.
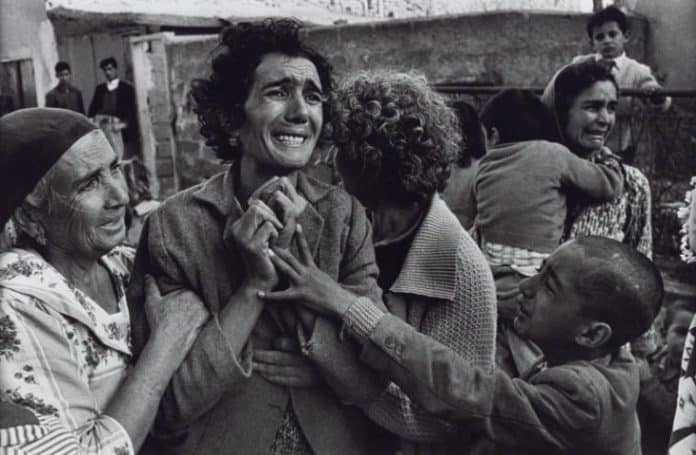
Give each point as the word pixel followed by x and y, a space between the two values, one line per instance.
pixel 303 247
pixel 260 211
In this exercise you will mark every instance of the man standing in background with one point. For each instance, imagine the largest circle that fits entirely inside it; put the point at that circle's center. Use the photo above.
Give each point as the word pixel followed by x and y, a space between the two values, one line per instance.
pixel 113 108
pixel 65 95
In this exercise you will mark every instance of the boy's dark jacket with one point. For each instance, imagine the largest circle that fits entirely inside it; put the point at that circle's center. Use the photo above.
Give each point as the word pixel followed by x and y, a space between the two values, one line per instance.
pixel 582 407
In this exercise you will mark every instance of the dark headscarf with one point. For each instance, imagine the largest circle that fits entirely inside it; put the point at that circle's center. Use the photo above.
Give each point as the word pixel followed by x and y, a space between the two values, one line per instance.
pixel 31 142
pixel 636 200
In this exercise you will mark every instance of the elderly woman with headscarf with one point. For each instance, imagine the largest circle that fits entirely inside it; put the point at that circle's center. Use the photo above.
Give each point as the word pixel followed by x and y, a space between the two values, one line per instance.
pixel 397 141
pixel 64 323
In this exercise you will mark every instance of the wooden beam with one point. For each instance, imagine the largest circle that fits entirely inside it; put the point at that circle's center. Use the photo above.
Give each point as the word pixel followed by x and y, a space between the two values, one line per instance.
pixel 147 136
pixel 73 22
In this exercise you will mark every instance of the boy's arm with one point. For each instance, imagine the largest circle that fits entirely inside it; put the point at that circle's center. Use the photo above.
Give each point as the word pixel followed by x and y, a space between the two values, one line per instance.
pixel 600 181
pixel 337 356
pixel 582 58
pixel 644 79
pixel 466 324
pixel 334 354
pixel 551 413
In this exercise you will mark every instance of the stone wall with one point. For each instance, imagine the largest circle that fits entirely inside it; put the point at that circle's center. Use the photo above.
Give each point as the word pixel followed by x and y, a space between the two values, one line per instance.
pixel 517 49
pixel 522 49
pixel 155 111
pixel 189 57
pixel 671 50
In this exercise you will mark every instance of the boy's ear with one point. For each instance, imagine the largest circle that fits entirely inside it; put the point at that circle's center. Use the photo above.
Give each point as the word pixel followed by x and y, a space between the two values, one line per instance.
pixel 593 335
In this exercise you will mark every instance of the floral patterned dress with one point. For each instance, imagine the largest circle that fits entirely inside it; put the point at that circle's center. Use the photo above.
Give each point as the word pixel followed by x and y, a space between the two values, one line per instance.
pixel 47 436
pixel 62 354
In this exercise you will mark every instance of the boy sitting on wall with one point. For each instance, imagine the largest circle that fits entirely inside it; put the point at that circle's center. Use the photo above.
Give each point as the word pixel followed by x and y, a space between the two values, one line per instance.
pixel 609 33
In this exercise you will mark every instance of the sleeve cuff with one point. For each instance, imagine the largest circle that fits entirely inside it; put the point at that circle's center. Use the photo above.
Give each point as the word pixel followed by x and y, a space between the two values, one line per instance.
pixel 222 358
pixel 109 433
pixel 362 317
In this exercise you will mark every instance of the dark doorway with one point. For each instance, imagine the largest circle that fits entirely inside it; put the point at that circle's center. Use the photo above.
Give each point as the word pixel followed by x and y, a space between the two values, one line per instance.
pixel 17 86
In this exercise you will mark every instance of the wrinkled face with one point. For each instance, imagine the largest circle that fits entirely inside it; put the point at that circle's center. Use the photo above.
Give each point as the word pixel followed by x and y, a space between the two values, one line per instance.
pixel 676 334
pixel 549 306
pixel 608 40
pixel 91 196
pixel 63 77
pixel 591 117
pixel 283 112
pixel 110 72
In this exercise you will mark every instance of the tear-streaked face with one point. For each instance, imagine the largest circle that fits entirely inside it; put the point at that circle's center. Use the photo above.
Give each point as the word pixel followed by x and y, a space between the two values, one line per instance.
pixel 283 113
pixel 591 117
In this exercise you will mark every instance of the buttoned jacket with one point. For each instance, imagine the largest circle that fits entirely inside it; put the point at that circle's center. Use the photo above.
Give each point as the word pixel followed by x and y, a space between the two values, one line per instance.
pixel 215 403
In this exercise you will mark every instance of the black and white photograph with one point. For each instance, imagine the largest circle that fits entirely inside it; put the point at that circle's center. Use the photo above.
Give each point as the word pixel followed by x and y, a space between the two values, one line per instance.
pixel 347 227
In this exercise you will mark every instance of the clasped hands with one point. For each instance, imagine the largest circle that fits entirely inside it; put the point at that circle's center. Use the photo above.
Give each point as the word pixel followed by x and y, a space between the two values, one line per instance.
pixel 263 236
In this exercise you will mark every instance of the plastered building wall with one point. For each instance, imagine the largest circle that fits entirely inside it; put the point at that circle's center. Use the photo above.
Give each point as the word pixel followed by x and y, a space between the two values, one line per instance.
pixel 26 33
pixel 671 48
pixel 519 49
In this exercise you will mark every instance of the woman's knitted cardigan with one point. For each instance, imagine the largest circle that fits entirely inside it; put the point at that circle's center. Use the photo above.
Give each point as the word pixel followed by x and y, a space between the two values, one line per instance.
pixel 446 290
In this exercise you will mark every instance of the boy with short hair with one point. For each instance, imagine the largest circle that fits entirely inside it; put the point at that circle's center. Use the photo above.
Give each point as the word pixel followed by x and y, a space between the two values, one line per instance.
pixel 64 95
pixel 659 378
pixel 592 296
pixel 609 33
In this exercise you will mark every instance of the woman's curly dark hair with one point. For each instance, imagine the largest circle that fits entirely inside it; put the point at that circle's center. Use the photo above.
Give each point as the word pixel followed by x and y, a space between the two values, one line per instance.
pixel 220 98
pixel 396 137
pixel 473 140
